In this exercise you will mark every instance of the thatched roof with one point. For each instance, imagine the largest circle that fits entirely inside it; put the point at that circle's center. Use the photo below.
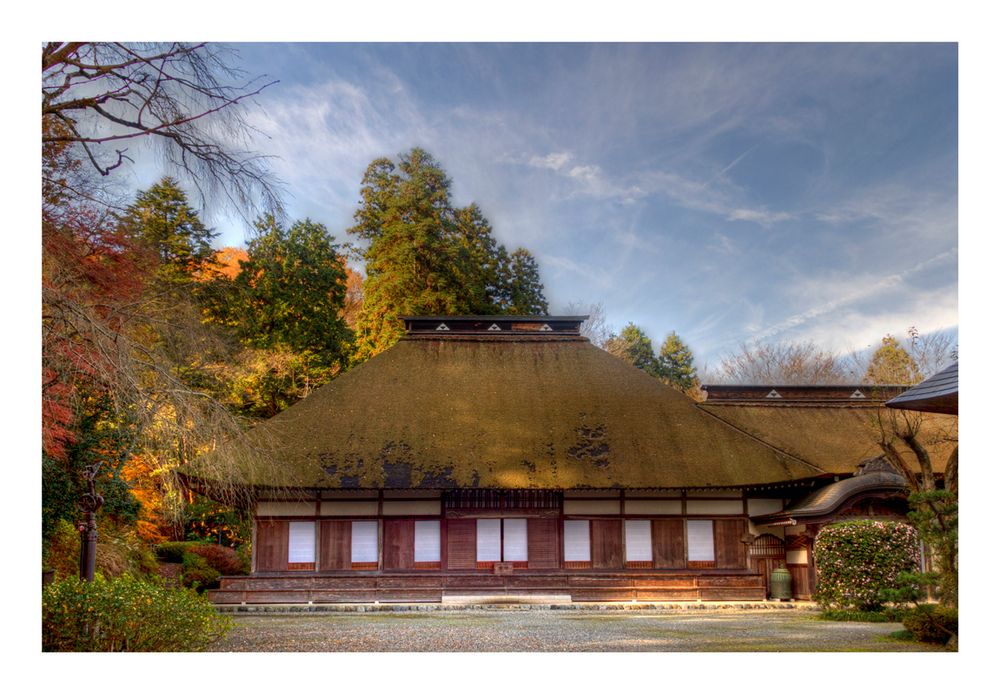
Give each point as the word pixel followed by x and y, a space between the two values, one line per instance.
pixel 508 411
pixel 834 438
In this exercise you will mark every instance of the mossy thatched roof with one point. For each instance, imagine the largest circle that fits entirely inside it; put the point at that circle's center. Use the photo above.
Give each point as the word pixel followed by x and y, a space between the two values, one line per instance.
pixel 507 413
pixel 835 438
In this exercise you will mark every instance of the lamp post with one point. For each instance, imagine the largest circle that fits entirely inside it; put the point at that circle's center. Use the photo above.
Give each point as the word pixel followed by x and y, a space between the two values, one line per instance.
pixel 90 502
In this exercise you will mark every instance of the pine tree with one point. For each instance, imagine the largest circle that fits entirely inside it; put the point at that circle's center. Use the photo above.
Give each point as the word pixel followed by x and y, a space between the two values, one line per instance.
pixel 526 292
pixel 424 257
pixel 162 221
pixel 677 364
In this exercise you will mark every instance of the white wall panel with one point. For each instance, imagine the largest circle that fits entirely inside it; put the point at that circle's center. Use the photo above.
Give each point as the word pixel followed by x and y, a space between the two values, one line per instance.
pixel 593 506
pixel 653 507
pixel 268 509
pixel 348 508
pixel 424 507
pixel 715 508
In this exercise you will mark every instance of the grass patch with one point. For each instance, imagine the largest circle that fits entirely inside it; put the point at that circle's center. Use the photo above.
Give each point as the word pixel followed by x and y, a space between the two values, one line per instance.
pixel 881 616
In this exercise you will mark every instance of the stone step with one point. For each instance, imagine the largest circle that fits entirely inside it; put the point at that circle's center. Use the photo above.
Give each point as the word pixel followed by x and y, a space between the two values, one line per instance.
pixel 494 599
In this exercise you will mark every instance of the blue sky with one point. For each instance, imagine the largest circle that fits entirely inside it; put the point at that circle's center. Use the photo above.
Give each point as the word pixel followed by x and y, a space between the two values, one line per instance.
pixel 725 191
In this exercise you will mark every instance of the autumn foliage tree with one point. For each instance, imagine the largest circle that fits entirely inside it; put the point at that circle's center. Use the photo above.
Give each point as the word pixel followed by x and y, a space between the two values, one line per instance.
pixel 118 357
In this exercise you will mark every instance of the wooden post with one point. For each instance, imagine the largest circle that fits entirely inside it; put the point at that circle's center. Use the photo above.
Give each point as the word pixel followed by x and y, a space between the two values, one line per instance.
pixel 90 502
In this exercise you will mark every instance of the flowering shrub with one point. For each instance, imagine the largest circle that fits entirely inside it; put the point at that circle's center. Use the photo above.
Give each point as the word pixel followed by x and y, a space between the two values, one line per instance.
pixel 126 614
pixel 857 560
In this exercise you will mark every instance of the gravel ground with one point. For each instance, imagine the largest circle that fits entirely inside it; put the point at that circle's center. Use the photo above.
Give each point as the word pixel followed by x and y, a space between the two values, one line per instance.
pixel 552 630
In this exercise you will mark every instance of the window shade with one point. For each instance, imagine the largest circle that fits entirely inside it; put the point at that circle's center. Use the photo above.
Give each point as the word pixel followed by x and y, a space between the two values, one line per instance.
pixel 701 542
pixel 427 540
pixel 576 540
pixel 364 542
pixel 515 539
pixel 301 542
pixel 638 540
pixel 488 539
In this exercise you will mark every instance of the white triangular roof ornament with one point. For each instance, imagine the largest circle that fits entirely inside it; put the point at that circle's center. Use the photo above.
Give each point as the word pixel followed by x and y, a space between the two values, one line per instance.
pixel 545 328
pixel 494 328
pixel 442 327
pixel 857 395
pixel 774 394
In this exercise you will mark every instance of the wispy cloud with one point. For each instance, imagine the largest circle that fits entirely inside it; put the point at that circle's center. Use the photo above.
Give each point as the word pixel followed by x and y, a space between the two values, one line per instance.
pixel 866 287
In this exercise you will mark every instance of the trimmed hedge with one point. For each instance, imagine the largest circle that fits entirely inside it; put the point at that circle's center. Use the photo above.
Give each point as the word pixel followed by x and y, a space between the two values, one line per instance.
pixel 126 614
pixel 857 560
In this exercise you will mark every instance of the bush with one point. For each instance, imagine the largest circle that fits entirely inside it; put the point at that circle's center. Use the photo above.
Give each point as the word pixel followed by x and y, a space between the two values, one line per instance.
pixel 126 614
pixel 226 560
pixel 932 623
pixel 197 573
pixel 119 551
pixel 857 560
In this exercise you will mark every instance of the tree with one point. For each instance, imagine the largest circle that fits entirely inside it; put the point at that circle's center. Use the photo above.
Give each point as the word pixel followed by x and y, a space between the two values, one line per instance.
pixel 188 98
pixel 286 308
pixel 424 257
pixel 762 363
pixel 933 505
pixel 635 348
pixel 595 328
pixel 891 364
pixel 109 334
pixel 526 292
pixel 162 221
pixel 291 289
pixel 677 364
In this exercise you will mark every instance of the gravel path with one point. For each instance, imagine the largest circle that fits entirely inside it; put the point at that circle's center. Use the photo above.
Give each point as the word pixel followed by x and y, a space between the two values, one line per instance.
pixel 544 630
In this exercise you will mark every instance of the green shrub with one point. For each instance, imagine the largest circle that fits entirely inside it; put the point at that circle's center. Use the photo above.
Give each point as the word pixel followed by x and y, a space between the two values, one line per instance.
pixel 197 573
pixel 119 551
pixel 126 614
pixel 932 623
pixel 857 561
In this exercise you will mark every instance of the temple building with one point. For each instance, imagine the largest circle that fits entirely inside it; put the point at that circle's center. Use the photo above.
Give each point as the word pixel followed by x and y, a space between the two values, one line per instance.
pixel 505 455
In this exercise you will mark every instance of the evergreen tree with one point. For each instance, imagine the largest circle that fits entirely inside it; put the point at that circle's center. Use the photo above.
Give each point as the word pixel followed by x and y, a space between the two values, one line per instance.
pixel 525 286
pixel 892 364
pixel 634 347
pixel 162 221
pixel 424 257
pixel 481 263
pixel 290 291
pixel 286 307
pixel 677 364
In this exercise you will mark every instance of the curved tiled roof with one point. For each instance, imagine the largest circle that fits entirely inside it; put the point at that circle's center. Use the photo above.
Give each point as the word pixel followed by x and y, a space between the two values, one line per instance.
pixel 939 393
pixel 828 499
